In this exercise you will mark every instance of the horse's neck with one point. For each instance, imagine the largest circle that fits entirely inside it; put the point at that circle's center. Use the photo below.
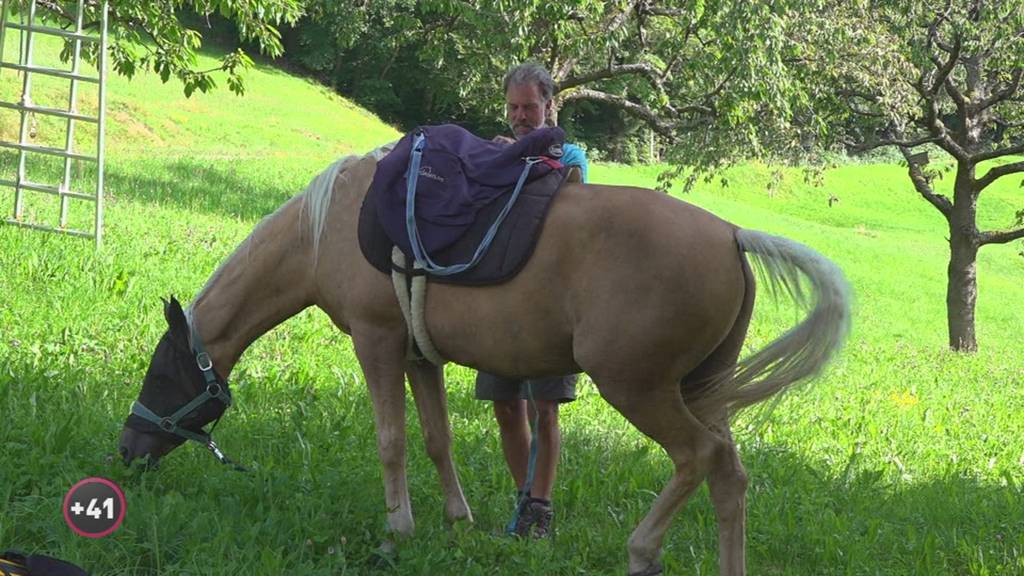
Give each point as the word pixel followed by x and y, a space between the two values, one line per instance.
pixel 267 280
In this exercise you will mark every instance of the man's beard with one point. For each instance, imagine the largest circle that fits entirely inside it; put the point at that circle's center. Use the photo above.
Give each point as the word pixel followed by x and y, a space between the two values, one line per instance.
pixel 517 135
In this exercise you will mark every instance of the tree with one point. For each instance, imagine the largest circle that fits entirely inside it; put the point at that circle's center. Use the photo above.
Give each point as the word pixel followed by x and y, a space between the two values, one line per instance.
pixel 939 74
pixel 152 34
pixel 708 76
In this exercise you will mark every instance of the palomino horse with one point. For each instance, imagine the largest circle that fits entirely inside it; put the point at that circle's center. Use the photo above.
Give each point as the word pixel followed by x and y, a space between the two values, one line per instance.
pixel 648 295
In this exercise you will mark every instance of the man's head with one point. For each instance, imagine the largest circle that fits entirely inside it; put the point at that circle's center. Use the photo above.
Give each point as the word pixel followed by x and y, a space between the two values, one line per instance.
pixel 528 92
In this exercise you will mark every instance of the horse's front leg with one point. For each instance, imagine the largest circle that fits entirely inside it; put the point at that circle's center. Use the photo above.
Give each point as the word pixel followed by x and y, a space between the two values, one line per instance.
pixel 381 354
pixel 427 382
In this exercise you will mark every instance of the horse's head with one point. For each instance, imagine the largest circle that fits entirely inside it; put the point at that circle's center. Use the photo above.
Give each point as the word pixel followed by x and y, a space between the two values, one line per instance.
pixel 180 394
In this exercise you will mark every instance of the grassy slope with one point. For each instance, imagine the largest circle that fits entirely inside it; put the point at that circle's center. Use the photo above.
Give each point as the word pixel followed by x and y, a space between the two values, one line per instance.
pixel 904 459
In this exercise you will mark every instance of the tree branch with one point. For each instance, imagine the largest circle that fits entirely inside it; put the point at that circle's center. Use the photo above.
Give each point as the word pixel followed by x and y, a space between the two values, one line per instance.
pixel 991 154
pixel 924 188
pixel 667 12
pixel 997 173
pixel 640 111
pixel 1005 93
pixel 944 69
pixel 1000 237
pixel 958 98
pixel 611 72
pixel 933 28
pixel 938 129
pixel 868 146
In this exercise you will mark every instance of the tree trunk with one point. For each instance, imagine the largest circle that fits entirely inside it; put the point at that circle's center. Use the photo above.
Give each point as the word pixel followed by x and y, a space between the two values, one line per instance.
pixel 962 289
pixel 962 293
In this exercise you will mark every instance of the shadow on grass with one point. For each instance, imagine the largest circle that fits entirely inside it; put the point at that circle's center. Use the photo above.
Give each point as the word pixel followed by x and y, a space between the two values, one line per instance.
pixel 314 498
pixel 247 188
pixel 239 188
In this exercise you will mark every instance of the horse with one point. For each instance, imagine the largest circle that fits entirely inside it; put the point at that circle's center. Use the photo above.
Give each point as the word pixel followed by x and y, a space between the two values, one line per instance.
pixel 649 295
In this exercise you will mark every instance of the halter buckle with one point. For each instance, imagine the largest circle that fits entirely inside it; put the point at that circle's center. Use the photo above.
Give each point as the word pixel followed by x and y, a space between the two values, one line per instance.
pixel 204 361
pixel 214 389
pixel 166 424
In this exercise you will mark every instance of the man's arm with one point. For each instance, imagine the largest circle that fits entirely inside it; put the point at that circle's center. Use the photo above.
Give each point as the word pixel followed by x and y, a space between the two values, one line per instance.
pixel 573 155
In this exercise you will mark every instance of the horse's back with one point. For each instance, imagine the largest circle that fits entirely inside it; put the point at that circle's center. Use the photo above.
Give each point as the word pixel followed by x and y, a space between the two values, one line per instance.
pixel 615 268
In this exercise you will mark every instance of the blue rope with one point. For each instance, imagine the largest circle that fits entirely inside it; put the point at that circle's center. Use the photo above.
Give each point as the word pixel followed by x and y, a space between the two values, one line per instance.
pixel 531 467
pixel 419 252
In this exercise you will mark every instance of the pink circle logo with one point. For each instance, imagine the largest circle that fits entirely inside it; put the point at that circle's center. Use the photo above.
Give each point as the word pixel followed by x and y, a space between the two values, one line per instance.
pixel 94 507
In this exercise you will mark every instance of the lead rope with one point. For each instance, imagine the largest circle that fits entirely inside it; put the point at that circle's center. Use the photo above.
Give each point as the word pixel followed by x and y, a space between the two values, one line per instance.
pixel 531 466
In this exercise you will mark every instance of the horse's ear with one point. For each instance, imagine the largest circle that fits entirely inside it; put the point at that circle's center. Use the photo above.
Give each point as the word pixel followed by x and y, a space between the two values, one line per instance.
pixel 176 324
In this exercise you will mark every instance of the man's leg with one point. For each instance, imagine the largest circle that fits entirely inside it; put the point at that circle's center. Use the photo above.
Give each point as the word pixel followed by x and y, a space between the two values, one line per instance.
pixel 510 412
pixel 549 441
pixel 515 437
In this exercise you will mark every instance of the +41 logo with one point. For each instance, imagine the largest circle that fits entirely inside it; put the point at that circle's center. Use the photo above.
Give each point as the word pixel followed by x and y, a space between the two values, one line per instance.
pixel 94 507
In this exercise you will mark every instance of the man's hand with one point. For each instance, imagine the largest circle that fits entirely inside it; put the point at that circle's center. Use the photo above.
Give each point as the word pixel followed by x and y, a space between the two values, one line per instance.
pixel 503 140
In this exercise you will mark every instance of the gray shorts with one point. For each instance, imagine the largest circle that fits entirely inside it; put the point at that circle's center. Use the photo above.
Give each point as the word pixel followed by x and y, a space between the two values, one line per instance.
pixel 492 387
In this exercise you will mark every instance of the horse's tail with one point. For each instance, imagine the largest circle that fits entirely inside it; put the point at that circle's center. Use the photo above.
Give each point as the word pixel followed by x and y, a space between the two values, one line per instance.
pixel 804 350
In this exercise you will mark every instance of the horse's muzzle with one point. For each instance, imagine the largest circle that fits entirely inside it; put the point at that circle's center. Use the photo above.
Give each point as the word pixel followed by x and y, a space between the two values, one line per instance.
pixel 135 444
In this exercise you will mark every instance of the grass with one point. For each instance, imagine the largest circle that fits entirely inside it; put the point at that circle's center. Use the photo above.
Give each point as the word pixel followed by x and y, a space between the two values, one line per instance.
pixel 904 459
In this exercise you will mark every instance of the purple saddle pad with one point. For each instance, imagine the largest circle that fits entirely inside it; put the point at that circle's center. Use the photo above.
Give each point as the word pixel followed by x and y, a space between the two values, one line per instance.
pixel 509 252
pixel 459 174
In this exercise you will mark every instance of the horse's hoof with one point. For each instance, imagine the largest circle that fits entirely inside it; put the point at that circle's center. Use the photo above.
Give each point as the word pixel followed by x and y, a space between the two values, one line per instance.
pixel 652 570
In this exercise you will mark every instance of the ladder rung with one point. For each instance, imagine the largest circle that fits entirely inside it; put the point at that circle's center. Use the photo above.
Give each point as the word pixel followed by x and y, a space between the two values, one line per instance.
pixel 67 231
pixel 50 111
pixel 50 72
pixel 47 189
pixel 47 150
pixel 53 32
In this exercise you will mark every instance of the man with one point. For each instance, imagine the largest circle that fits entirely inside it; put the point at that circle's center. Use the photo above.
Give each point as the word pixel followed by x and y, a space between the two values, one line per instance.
pixel 528 100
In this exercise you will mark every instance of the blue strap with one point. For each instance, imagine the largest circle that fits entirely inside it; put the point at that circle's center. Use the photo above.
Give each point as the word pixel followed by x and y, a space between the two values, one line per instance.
pixel 205 364
pixel 419 253
pixel 167 424
pixel 531 466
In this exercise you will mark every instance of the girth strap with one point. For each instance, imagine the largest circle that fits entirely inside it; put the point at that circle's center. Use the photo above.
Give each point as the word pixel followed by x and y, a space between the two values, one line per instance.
pixel 411 288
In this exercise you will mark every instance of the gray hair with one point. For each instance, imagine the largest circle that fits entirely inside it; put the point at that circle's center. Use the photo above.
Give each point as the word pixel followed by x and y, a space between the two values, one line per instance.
pixel 531 73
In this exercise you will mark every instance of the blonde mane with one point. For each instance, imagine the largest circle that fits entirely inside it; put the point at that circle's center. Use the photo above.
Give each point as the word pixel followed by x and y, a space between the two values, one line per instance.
pixel 317 197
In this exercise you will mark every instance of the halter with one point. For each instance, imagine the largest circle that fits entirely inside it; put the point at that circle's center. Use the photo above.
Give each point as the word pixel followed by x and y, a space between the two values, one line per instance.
pixel 215 390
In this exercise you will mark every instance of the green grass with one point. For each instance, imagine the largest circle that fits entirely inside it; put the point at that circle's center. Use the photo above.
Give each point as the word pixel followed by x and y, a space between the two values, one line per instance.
pixel 904 459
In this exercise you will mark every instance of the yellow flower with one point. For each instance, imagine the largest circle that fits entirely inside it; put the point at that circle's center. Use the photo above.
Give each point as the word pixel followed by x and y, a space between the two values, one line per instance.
pixel 905 399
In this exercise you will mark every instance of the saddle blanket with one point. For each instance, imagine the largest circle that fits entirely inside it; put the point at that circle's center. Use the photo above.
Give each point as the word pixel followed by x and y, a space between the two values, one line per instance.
pixel 464 182
pixel 459 174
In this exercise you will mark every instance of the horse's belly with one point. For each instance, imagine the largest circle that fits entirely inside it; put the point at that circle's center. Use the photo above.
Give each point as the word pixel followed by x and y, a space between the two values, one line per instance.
pixel 514 329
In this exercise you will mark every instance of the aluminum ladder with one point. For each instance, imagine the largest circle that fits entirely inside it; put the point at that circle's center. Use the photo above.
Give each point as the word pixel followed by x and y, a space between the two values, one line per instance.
pixel 28 28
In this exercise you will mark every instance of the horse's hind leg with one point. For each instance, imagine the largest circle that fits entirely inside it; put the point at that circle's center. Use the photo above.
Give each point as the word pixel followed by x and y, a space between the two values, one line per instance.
pixel 727 480
pixel 427 383
pixel 661 415
pixel 728 484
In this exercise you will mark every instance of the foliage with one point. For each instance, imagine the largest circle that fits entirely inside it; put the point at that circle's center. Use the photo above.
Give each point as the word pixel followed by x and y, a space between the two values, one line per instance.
pixel 708 76
pixel 154 35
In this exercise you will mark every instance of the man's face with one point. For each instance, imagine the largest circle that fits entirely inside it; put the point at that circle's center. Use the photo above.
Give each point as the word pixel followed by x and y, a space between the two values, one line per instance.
pixel 525 108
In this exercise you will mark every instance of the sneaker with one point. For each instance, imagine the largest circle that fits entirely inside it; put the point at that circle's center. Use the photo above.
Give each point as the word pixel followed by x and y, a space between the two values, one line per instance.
pixel 535 516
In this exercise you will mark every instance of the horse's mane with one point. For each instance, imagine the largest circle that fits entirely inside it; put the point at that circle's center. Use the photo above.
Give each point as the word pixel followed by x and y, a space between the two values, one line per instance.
pixel 316 201
pixel 317 197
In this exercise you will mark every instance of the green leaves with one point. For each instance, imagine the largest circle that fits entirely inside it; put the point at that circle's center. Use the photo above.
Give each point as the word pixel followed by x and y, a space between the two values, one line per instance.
pixel 153 35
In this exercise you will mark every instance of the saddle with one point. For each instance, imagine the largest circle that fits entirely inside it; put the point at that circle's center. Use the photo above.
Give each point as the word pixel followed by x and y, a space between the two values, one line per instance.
pixel 14 563
pixel 463 185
